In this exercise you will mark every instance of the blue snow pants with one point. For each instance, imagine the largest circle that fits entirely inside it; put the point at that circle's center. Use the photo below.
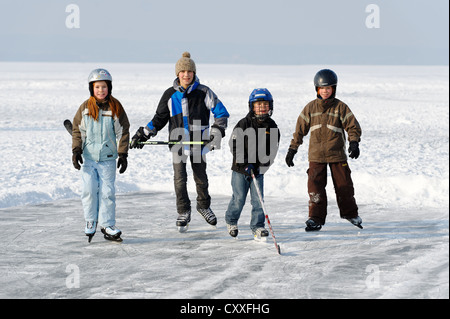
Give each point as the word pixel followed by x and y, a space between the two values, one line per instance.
pixel 99 193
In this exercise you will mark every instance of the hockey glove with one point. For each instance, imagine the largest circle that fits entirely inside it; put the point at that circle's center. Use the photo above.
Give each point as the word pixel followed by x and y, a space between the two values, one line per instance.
pixel 215 137
pixel 122 163
pixel 141 136
pixel 77 159
pixel 250 168
pixel 290 157
pixel 353 150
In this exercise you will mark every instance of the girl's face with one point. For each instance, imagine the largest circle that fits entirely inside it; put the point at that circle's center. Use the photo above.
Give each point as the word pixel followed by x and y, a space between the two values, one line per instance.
pixel 185 78
pixel 261 107
pixel 325 92
pixel 100 90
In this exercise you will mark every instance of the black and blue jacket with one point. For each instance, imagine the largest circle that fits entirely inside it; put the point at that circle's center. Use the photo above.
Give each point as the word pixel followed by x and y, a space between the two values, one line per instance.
pixel 188 112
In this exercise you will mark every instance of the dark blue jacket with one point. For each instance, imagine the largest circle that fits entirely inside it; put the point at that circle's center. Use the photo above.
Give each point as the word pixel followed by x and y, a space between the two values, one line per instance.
pixel 188 112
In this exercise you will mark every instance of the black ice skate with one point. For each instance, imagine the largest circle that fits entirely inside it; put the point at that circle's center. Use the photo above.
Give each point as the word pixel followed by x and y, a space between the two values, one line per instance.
pixel 183 221
pixel 208 215
pixel 311 225
pixel 233 230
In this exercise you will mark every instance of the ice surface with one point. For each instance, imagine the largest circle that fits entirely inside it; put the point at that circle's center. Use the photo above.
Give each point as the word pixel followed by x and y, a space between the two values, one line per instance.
pixel 401 182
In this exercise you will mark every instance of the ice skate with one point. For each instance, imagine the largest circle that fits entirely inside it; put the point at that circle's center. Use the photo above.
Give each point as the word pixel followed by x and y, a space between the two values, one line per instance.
pixel 183 221
pixel 208 215
pixel 311 225
pixel 112 233
pixel 260 234
pixel 357 221
pixel 233 230
pixel 90 230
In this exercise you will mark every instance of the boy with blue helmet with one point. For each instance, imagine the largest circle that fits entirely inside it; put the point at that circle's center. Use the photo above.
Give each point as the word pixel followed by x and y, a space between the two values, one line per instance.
pixel 254 145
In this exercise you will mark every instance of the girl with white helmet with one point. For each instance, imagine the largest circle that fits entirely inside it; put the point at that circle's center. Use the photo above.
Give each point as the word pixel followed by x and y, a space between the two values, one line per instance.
pixel 100 135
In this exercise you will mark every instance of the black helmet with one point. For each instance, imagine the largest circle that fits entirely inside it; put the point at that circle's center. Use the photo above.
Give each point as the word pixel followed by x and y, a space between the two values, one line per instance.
pixel 325 77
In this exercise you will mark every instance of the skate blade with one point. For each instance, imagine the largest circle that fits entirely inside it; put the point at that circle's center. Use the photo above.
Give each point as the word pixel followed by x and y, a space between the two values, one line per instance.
pixel 260 239
pixel 357 225
pixel 90 237
pixel 183 229
pixel 109 238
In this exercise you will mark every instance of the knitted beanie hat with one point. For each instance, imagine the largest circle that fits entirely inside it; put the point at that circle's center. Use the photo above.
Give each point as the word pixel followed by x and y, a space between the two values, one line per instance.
pixel 185 63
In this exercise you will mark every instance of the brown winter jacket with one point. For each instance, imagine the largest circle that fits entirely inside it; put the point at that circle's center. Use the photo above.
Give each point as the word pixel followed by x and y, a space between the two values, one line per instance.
pixel 327 120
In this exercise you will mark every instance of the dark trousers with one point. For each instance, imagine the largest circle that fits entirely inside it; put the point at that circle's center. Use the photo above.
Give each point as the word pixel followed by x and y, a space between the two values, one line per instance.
pixel 343 186
pixel 180 183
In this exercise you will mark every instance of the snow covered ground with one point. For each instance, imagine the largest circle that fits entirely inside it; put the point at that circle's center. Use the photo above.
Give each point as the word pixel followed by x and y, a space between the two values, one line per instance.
pixel 401 182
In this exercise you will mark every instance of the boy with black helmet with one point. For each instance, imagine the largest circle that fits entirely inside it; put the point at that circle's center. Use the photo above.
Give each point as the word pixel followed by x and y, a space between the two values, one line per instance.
pixel 328 119
pixel 254 145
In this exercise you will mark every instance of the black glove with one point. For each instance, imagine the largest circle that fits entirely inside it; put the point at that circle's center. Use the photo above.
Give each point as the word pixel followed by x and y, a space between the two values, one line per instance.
pixel 77 159
pixel 250 168
pixel 140 136
pixel 290 157
pixel 122 163
pixel 353 150
pixel 215 137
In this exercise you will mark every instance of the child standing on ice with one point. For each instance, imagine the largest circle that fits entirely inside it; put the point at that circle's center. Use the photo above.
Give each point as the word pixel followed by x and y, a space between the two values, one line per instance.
pixel 187 106
pixel 254 145
pixel 327 118
pixel 99 136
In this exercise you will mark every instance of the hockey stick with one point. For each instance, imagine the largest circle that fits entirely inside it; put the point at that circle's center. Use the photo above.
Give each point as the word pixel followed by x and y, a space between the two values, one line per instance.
pixel 68 126
pixel 265 213
pixel 173 143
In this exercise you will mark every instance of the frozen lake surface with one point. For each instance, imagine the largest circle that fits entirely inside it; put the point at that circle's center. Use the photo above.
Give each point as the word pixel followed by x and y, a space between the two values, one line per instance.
pixel 401 183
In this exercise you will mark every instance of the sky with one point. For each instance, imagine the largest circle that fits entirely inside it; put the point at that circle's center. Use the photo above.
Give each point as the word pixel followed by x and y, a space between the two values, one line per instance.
pixel 233 31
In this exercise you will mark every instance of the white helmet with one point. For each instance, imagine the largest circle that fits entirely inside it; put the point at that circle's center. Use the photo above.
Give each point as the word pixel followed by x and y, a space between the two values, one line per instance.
pixel 99 75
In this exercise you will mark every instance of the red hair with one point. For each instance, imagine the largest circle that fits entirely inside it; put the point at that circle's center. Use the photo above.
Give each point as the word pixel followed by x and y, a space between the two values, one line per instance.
pixel 114 105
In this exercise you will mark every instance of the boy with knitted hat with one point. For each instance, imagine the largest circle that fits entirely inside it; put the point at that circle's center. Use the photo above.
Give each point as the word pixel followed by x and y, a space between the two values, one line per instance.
pixel 187 106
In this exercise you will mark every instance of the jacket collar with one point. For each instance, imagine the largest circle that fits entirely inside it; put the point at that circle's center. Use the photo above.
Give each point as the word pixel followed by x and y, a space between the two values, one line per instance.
pixel 192 87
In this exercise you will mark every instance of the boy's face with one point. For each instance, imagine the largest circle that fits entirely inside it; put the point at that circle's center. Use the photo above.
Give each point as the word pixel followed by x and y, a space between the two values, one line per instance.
pixel 185 78
pixel 100 90
pixel 325 92
pixel 261 107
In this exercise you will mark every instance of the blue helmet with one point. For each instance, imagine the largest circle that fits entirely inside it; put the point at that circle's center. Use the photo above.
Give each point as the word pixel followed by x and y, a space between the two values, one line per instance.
pixel 261 94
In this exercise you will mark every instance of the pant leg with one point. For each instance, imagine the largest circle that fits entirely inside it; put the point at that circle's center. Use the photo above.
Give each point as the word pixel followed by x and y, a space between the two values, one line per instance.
pixel 201 182
pixel 258 217
pixel 89 194
pixel 107 193
pixel 180 184
pixel 240 186
pixel 343 186
pixel 317 181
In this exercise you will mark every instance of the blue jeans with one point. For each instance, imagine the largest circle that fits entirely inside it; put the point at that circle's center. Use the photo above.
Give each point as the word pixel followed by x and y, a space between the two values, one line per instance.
pixel 241 184
pixel 99 193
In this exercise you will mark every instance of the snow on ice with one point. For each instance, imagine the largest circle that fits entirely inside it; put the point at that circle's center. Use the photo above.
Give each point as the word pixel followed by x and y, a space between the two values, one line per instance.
pixel 401 182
